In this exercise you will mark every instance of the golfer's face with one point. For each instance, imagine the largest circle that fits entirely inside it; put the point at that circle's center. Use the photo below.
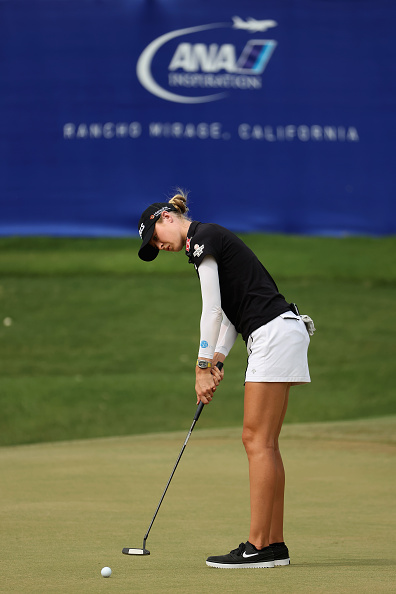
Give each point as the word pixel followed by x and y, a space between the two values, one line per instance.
pixel 167 236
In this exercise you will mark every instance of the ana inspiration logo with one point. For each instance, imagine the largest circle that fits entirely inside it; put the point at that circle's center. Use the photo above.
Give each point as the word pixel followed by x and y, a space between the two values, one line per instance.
pixel 216 66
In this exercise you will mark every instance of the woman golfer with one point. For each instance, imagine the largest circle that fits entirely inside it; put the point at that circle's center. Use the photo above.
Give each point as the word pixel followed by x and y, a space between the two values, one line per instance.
pixel 240 297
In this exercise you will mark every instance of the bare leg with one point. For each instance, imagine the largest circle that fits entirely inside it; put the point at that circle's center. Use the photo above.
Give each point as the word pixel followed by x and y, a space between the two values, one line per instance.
pixel 265 408
pixel 276 531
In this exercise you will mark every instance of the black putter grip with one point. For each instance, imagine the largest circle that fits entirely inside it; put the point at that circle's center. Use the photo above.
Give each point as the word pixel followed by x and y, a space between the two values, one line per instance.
pixel 200 406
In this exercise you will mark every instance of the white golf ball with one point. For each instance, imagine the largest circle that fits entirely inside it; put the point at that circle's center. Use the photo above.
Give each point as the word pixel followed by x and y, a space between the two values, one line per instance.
pixel 106 572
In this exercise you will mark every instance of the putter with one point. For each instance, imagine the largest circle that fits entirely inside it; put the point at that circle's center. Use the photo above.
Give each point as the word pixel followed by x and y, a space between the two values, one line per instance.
pixel 144 551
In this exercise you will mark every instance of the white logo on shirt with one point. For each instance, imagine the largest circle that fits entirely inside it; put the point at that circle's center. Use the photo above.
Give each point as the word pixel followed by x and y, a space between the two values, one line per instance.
pixel 198 250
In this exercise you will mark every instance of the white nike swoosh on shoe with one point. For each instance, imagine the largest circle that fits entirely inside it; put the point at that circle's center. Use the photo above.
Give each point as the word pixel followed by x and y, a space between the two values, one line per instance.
pixel 246 556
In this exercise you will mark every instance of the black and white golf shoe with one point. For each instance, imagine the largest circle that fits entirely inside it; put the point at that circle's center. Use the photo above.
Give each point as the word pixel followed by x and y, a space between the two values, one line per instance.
pixel 246 556
pixel 281 553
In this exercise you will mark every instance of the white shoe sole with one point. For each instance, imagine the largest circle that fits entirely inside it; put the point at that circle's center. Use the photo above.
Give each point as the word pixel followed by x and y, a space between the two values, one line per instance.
pixel 241 565
pixel 280 562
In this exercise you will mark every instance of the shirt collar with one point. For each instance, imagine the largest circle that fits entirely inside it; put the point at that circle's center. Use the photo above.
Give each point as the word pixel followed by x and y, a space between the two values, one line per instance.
pixel 190 234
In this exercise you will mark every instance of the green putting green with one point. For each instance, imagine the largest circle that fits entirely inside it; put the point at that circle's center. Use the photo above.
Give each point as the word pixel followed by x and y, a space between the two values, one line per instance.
pixel 68 508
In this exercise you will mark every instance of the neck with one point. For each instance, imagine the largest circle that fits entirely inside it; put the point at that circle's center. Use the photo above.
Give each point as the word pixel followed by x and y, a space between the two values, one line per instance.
pixel 184 229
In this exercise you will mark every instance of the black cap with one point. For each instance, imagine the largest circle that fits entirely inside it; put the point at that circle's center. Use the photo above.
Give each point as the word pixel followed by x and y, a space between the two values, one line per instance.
pixel 147 222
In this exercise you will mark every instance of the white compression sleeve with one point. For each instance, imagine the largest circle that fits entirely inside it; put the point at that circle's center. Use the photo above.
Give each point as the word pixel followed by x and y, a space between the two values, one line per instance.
pixel 211 307
pixel 227 337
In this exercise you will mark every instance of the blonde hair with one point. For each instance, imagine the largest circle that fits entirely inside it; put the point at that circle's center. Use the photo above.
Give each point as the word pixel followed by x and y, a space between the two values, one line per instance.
pixel 179 201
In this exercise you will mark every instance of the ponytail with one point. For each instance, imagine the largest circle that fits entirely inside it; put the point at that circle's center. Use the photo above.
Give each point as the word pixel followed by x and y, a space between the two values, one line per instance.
pixel 179 201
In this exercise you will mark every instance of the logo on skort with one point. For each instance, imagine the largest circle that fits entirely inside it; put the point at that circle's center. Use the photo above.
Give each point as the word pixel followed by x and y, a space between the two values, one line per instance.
pixel 195 65
pixel 204 344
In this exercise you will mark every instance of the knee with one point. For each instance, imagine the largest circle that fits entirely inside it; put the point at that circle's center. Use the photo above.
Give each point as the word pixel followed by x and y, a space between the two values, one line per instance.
pixel 255 443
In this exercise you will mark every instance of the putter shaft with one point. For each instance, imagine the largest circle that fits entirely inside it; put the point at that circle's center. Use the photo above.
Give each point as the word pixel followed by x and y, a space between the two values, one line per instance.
pixel 200 406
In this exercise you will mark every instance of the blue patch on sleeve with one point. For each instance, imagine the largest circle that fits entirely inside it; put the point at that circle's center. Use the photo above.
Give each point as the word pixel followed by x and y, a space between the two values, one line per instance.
pixel 204 344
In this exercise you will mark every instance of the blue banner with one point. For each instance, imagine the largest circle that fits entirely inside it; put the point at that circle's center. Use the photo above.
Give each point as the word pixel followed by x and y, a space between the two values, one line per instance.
pixel 277 116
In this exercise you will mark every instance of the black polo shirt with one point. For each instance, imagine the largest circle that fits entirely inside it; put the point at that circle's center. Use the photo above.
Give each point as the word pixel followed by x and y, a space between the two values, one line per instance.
pixel 249 295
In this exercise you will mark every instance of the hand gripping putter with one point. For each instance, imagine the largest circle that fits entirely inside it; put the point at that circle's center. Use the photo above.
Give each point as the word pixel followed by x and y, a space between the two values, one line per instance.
pixel 144 551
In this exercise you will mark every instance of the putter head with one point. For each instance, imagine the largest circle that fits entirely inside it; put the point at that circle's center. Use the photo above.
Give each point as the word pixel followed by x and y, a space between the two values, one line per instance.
pixel 135 551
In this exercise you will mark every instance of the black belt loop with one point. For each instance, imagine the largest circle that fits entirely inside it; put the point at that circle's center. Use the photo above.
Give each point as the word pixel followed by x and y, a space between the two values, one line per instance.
pixel 294 309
